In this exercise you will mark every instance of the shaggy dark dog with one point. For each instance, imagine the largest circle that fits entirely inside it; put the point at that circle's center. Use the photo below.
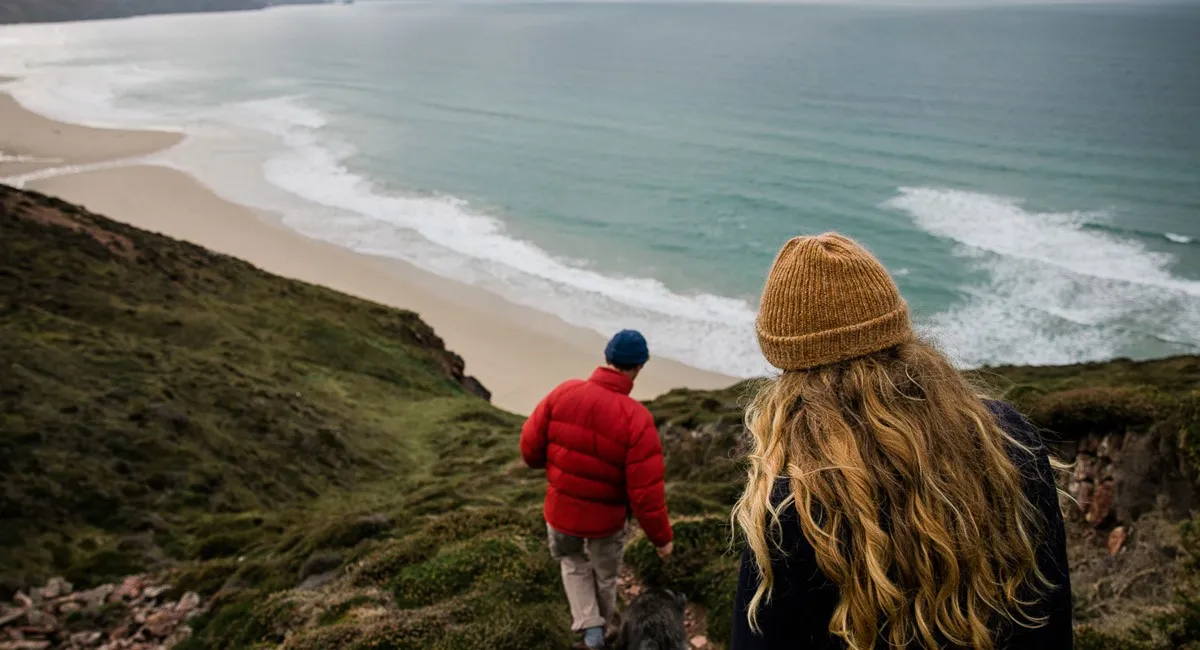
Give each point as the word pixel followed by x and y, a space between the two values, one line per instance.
pixel 653 621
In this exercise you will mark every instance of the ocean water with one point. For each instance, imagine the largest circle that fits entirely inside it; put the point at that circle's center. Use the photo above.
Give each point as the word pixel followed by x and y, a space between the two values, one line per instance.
pixel 1030 174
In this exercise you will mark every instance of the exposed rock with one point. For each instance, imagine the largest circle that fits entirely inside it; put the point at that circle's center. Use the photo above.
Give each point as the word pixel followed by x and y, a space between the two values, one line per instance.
pixel 474 387
pixel 1116 540
pixel 129 590
pixel 698 642
pixel 54 588
pixel 162 623
pixel 94 598
pixel 86 639
pixel 155 592
pixel 39 620
pixel 188 603
pixel 10 616
pixel 1100 509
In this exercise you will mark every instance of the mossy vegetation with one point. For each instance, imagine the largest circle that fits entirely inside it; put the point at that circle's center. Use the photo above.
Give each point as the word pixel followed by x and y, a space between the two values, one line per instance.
pixel 321 470
pixel 167 408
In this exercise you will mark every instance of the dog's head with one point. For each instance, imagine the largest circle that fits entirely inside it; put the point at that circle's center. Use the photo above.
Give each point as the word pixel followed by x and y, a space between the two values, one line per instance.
pixel 678 598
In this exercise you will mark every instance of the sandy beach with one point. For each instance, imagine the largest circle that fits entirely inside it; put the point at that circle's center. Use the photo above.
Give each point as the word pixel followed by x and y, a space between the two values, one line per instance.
pixel 30 142
pixel 517 352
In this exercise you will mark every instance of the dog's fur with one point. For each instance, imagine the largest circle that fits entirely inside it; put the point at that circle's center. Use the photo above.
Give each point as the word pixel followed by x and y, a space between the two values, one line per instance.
pixel 653 621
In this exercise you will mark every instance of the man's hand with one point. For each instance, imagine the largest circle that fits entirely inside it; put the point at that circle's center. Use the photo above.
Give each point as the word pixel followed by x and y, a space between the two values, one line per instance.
pixel 665 551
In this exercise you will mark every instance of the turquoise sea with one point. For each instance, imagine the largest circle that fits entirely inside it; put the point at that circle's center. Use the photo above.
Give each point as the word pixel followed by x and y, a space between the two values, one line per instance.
pixel 1030 174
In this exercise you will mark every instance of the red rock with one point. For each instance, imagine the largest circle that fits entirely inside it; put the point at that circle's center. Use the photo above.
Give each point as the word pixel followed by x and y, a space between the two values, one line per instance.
pixel 131 589
pixel 699 642
pixel 1100 508
pixel 161 623
pixel 1116 540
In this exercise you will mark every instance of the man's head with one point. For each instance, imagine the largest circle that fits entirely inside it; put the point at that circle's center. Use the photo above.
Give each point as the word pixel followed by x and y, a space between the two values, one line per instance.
pixel 627 352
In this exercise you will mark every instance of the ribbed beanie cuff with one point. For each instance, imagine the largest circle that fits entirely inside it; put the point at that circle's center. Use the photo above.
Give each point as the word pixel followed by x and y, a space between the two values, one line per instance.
pixel 826 300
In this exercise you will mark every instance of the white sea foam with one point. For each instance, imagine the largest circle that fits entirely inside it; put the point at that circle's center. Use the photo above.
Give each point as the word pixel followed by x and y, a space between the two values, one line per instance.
pixel 705 330
pixel 16 158
pixel 442 234
pixel 1057 292
pixel 1178 239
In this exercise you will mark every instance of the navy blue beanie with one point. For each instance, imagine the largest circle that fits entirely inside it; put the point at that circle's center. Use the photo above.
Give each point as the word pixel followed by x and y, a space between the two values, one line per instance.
pixel 627 349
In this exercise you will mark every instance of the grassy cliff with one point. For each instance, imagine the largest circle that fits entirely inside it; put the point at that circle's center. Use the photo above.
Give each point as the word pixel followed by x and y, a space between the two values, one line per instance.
pixel 164 407
pixel 321 470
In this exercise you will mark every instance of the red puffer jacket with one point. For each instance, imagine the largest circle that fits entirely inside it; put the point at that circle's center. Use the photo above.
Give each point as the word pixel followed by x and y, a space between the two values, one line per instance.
pixel 602 457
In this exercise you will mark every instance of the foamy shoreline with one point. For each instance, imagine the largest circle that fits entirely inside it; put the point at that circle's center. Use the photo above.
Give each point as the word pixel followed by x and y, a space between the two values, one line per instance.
pixel 517 352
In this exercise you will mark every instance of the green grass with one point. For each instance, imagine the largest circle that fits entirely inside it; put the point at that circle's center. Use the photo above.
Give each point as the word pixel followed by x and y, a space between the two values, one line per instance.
pixel 320 468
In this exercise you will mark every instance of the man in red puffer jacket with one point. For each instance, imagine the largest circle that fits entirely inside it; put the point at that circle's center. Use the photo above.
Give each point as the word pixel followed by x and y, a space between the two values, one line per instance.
pixel 603 459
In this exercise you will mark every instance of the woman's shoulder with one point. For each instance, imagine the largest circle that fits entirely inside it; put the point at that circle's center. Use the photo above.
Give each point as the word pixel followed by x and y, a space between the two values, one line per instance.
pixel 1030 455
pixel 1015 423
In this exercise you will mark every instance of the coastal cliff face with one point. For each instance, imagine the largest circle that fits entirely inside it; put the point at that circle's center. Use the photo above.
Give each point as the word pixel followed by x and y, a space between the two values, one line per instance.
pixel 280 465
pixel 46 11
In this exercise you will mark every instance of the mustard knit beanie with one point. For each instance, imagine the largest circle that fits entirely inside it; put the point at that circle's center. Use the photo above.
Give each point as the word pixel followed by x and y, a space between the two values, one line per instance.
pixel 827 299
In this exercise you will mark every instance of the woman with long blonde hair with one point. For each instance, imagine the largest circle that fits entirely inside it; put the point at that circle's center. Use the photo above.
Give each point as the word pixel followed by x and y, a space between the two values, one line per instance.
pixel 887 505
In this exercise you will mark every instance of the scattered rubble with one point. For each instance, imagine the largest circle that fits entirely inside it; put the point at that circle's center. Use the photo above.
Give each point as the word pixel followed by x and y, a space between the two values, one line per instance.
pixel 130 616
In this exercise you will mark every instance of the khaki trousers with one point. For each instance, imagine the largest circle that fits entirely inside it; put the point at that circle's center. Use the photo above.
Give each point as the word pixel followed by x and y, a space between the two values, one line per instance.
pixel 589 575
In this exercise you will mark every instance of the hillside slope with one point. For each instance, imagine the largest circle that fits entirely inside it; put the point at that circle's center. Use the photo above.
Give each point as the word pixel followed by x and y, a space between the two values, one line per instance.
pixel 322 472
pixel 147 381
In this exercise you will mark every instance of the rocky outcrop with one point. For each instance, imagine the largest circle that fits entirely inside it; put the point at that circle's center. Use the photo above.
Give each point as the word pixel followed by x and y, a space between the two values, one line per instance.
pixel 1118 477
pixel 135 614
pixel 1093 482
